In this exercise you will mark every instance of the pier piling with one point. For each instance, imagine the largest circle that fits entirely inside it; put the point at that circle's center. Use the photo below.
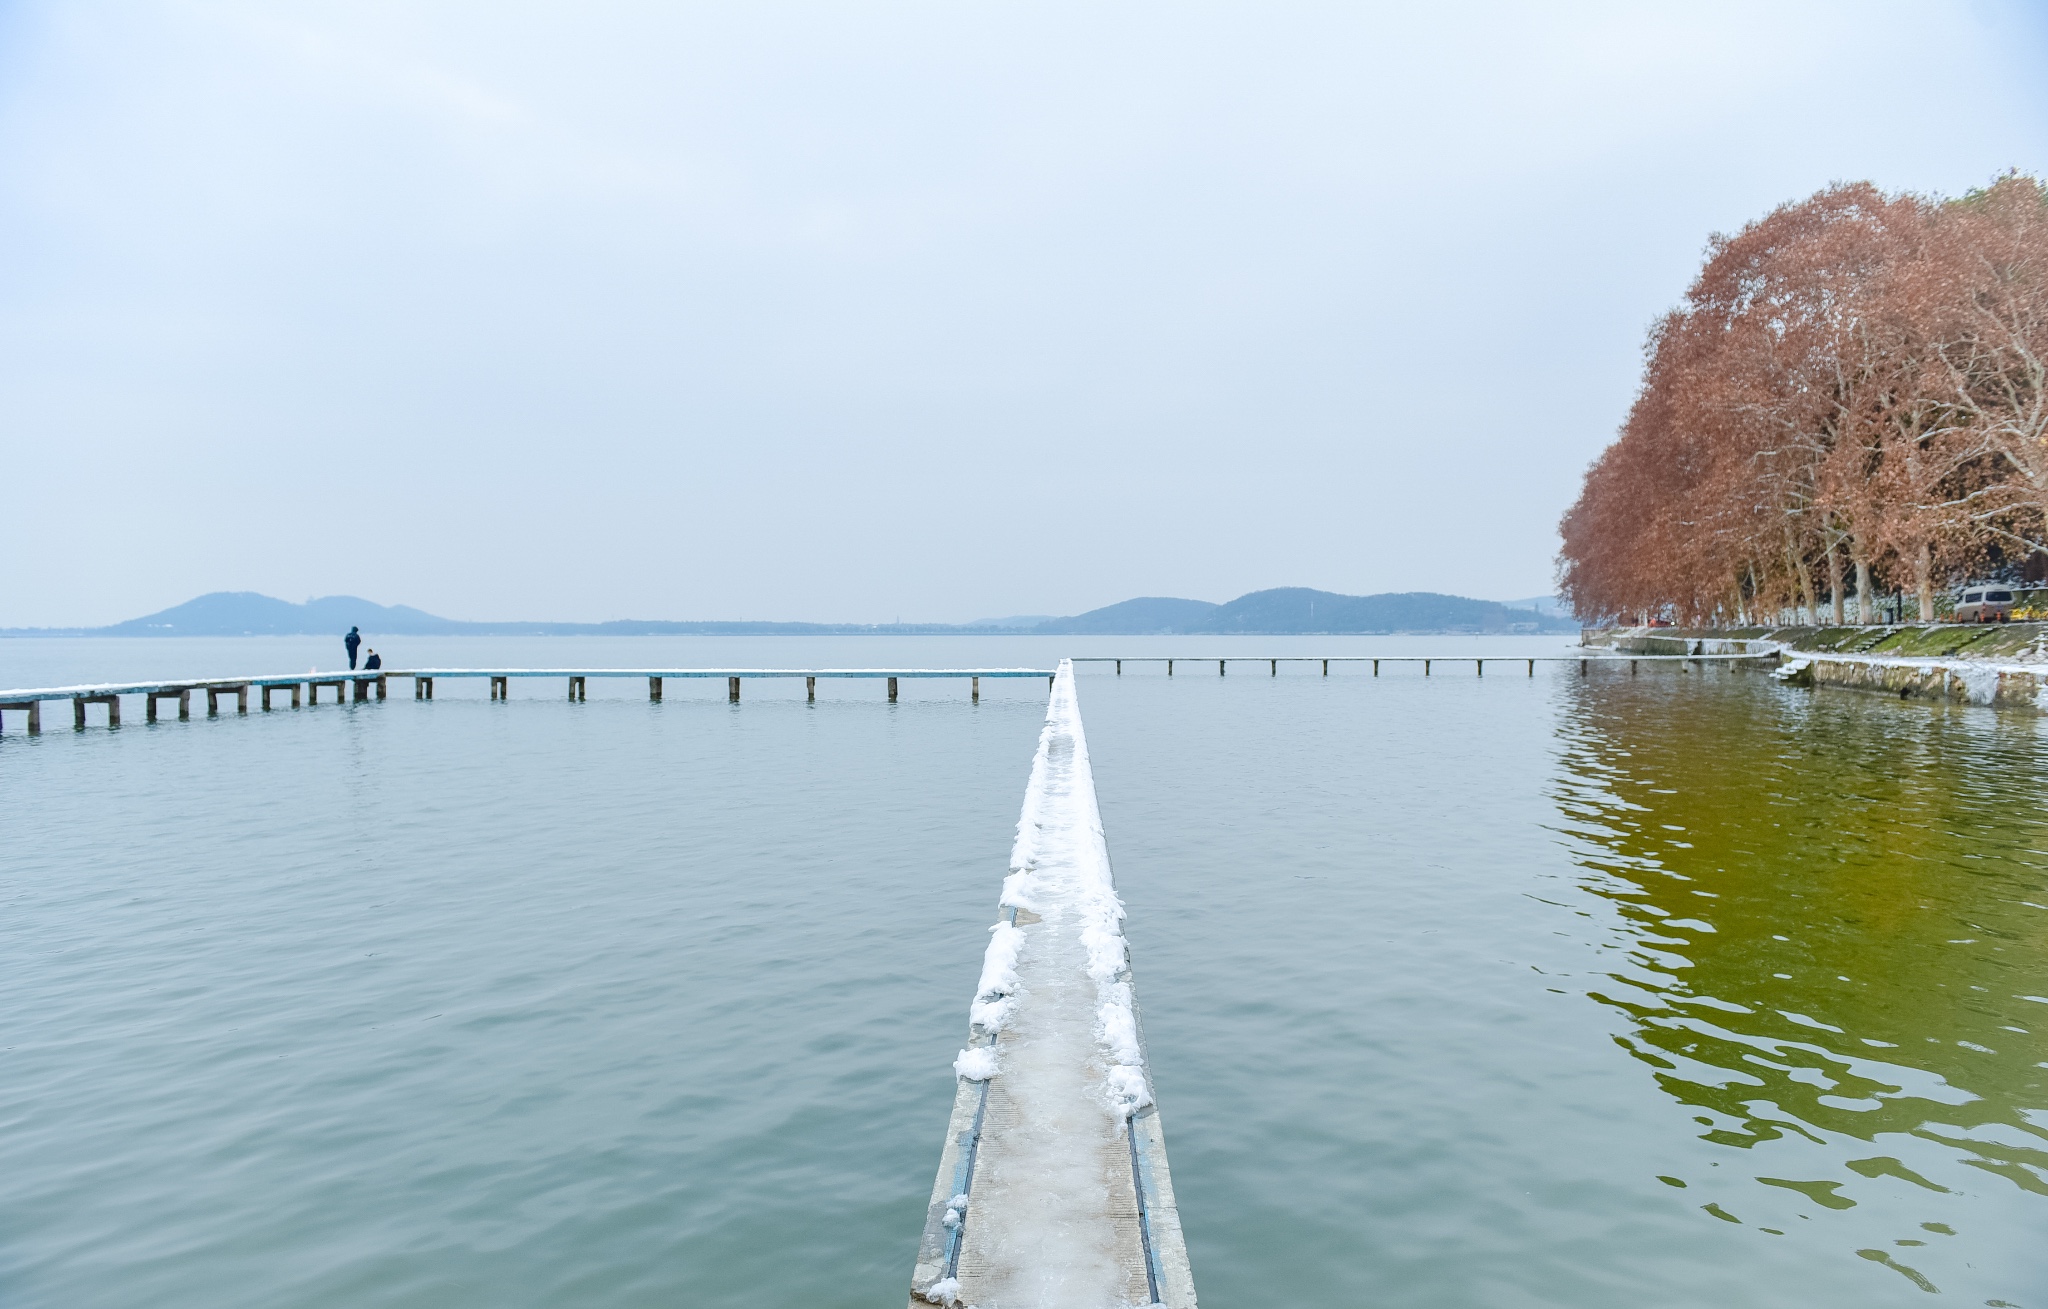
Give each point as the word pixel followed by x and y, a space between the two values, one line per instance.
pixel 892 690
pixel 34 710
pixel 576 691
pixel 499 688
pixel 811 689
pixel 732 689
pixel 214 693
pixel 975 692
pixel 654 689
pixel 149 699
pixel 79 702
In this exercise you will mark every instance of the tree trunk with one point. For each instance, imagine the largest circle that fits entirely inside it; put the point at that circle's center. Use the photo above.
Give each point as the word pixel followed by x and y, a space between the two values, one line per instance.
pixel 1805 576
pixel 1923 579
pixel 1835 583
pixel 1864 603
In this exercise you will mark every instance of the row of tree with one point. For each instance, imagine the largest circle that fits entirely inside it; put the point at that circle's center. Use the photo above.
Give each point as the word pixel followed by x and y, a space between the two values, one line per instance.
pixel 1853 398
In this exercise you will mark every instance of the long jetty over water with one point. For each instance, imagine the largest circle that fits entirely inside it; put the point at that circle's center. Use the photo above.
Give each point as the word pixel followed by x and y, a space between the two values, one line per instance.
pixel 1478 662
pixel 369 684
pixel 1053 1190
pixel 361 685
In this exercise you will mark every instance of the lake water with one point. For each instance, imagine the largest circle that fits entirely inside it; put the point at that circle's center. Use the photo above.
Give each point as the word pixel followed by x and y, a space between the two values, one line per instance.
pixel 1680 989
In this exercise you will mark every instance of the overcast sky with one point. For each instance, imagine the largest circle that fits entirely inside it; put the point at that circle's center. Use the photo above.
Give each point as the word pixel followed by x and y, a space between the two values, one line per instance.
pixel 866 311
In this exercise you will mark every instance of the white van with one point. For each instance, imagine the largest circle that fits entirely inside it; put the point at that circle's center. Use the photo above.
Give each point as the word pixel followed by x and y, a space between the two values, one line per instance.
pixel 1984 604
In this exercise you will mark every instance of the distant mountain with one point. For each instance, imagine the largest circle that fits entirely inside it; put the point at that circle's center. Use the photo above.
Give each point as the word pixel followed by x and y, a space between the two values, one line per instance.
pixel 245 613
pixel 1287 609
pixel 1137 618
pixel 1290 609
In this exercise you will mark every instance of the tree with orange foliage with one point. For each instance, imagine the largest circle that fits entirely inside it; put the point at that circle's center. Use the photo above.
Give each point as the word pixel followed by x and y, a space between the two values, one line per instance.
pixel 1854 383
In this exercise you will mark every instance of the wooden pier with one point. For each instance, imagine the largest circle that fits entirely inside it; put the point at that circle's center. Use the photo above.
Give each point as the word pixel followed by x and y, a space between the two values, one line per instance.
pixel 363 685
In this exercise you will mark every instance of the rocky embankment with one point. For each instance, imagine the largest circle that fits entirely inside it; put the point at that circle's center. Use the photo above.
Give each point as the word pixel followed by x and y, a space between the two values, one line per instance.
pixel 2003 664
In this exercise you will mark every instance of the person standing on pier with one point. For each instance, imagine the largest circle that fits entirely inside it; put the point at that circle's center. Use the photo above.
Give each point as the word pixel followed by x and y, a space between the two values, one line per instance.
pixel 352 640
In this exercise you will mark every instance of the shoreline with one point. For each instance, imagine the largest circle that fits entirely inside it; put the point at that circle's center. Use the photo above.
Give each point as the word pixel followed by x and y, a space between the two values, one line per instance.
pixel 2004 665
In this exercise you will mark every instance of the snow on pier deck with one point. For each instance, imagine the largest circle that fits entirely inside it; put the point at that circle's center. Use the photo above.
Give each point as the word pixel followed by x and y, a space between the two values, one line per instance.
pixel 1053 1187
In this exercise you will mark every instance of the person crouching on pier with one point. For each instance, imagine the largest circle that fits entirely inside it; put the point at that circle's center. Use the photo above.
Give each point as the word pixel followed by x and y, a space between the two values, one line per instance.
pixel 351 641
pixel 374 661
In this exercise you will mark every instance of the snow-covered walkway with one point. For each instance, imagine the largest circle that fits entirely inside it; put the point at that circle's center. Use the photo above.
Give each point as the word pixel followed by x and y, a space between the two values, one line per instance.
pixel 1053 1189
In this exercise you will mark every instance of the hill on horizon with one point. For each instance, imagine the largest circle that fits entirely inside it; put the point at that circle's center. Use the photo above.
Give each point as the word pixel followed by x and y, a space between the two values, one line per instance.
pixel 1299 609
pixel 1281 610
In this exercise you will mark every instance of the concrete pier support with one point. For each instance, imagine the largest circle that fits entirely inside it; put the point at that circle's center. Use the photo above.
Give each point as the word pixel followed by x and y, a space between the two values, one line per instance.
pixel 79 702
pixel 499 689
pixel 34 710
pixel 576 689
pixel 263 694
pixel 811 690
pixel 892 690
pixel 732 690
pixel 214 693
pixel 975 692
pixel 149 699
pixel 654 689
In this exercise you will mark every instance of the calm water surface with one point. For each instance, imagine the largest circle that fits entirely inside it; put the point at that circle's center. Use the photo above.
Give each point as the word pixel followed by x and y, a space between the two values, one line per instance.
pixel 1678 990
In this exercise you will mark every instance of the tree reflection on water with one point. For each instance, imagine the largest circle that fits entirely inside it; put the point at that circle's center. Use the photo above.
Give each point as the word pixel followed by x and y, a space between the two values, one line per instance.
pixel 1831 912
